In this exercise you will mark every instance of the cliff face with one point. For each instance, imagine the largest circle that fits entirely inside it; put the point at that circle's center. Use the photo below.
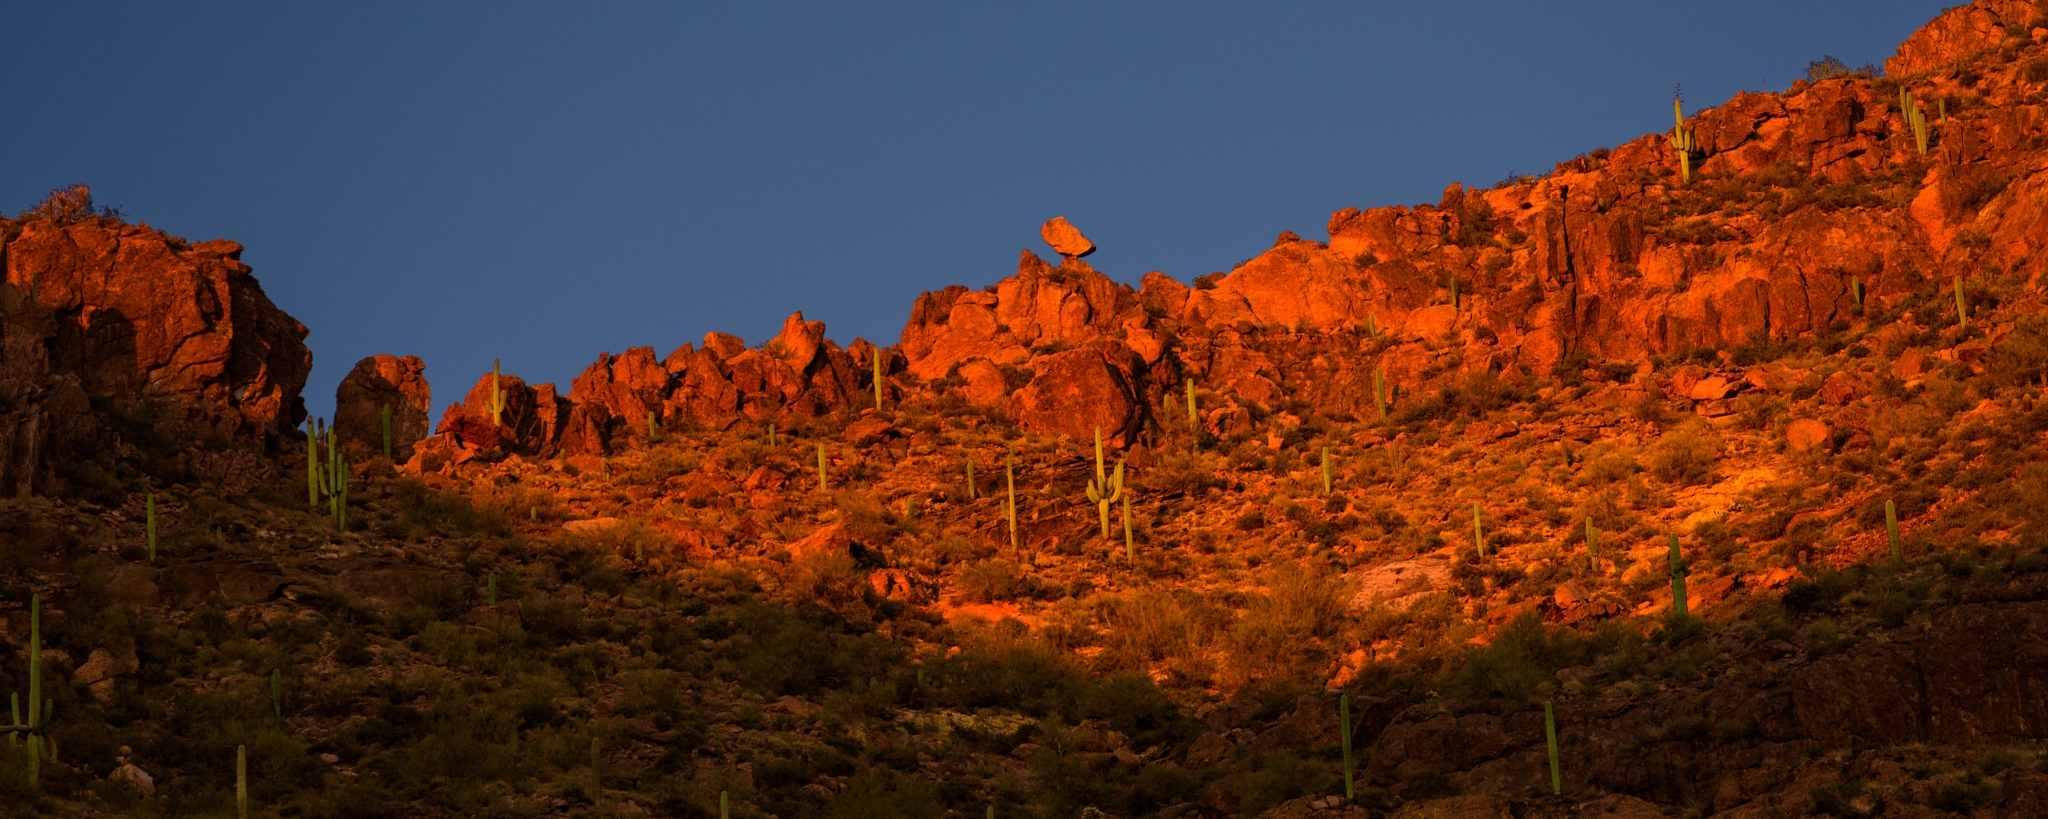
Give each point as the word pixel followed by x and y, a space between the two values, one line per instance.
pixel 107 319
pixel 1796 200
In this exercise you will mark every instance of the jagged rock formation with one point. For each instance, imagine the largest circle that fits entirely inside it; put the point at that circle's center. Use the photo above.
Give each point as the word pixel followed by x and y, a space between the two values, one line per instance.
pixel 377 383
pixel 104 317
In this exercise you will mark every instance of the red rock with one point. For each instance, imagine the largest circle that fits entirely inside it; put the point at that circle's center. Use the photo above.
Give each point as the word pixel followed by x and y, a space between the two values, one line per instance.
pixel 1843 387
pixel 123 312
pixel 1804 434
pixel 1066 239
pixel 1712 388
pixel 1958 33
pixel 986 386
pixel 375 383
pixel 1076 392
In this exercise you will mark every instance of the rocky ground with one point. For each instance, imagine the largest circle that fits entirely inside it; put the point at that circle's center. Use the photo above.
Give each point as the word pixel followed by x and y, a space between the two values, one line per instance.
pixel 1432 468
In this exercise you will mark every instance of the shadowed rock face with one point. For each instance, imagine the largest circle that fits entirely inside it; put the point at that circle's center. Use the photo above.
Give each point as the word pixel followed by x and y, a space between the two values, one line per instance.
pixel 100 316
pixel 378 382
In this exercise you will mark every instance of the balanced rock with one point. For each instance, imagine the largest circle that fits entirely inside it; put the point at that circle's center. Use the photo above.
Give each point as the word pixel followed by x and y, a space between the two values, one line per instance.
pixel 376 383
pixel 1066 239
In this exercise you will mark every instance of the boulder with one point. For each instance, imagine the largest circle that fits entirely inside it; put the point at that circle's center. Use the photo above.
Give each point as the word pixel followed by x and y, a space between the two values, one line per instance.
pixel 376 383
pixel 1066 239
pixel 1805 434
pixel 986 386
pixel 1075 393
pixel 133 777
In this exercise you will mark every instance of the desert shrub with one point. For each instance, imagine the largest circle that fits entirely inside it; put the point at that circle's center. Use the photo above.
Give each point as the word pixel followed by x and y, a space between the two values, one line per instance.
pixel 1520 665
pixel 988 581
pixel 1683 457
pixel 424 512
pixel 1284 633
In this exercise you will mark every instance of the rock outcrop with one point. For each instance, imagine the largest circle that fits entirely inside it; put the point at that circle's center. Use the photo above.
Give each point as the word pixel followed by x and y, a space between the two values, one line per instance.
pixel 379 384
pixel 623 398
pixel 100 315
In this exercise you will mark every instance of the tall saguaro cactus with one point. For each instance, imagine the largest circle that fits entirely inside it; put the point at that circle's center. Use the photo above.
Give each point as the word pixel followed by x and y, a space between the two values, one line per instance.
pixel 1915 118
pixel 1478 533
pixel 1105 489
pixel 242 781
pixel 1678 573
pixel 1326 472
pixel 1194 421
pixel 1379 391
pixel 1891 532
pixel 1010 488
pixel 876 356
pixel 497 396
pixel 1682 143
pixel 1130 545
pixel 1962 307
pixel 1592 546
pixel 1550 739
pixel 1344 735
pixel 40 710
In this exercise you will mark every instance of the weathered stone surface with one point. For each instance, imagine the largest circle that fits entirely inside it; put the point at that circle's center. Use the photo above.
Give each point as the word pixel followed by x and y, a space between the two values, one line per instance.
pixel 1076 393
pixel 986 386
pixel 1957 33
pixel 1066 239
pixel 378 382
pixel 122 313
pixel 1804 434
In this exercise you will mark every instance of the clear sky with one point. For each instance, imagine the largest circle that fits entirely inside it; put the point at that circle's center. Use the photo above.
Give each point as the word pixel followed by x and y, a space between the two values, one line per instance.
pixel 539 183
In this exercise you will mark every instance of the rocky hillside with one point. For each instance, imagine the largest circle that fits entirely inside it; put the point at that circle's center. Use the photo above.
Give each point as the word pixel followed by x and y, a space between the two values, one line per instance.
pixel 1725 466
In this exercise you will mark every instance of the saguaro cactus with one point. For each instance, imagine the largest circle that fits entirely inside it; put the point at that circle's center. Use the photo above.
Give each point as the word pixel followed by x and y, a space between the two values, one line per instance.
pixel 1326 471
pixel 277 692
pixel 1678 573
pixel 1130 545
pixel 1344 737
pixel 876 357
pixel 1194 421
pixel 1010 488
pixel 497 397
pixel 1681 141
pixel 1478 534
pixel 1891 531
pixel 1915 118
pixel 1379 391
pixel 37 723
pixel 242 781
pixel 1962 308
pixel 1592 546
pixel 1550 739
pixel 972 493
pixel 1105 490
pixel 821 467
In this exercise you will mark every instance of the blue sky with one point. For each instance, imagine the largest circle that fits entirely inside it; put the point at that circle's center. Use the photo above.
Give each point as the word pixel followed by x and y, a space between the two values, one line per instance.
pixel 541 183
